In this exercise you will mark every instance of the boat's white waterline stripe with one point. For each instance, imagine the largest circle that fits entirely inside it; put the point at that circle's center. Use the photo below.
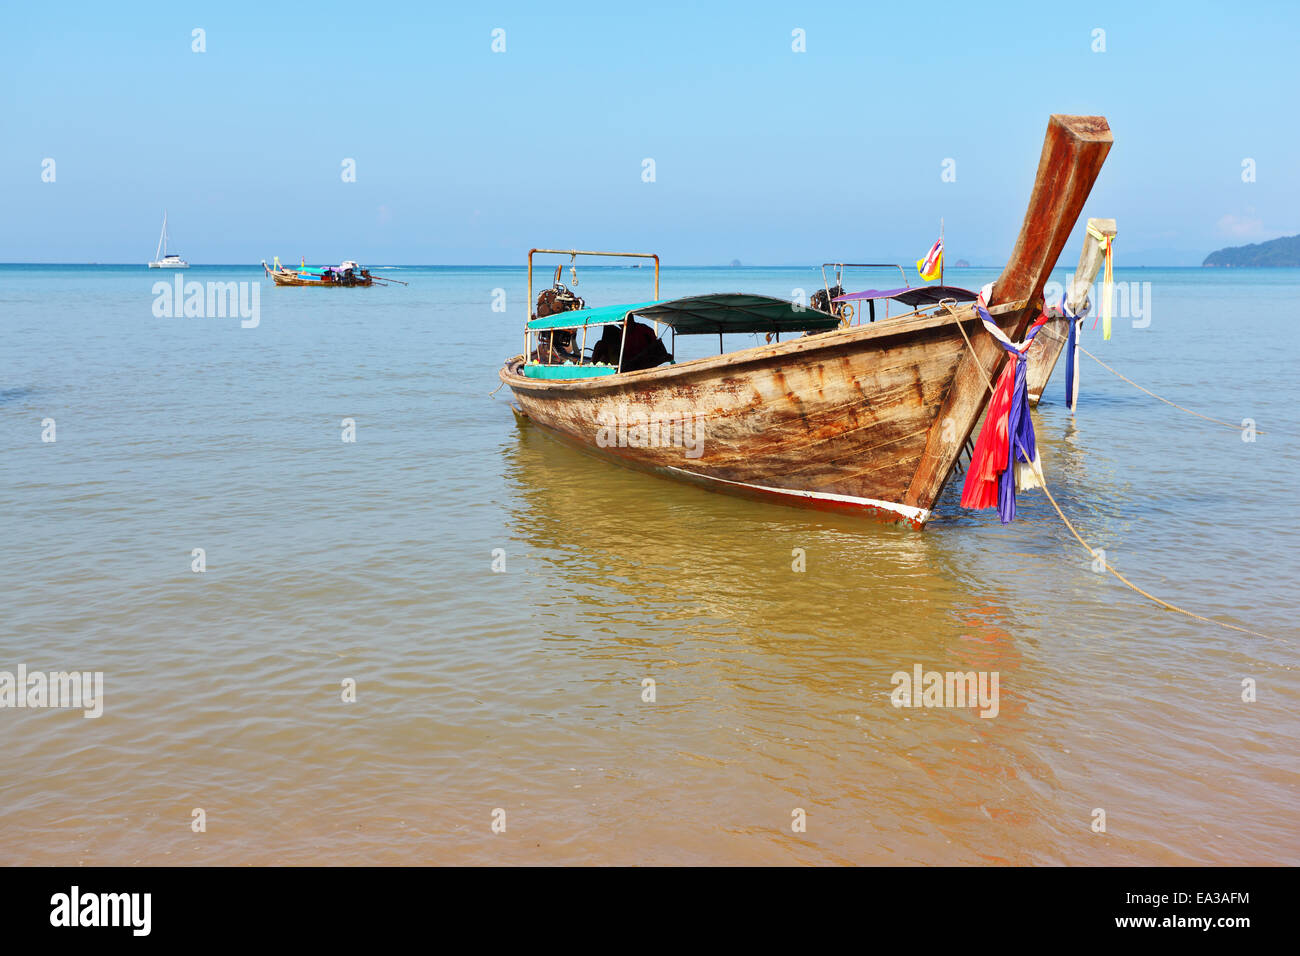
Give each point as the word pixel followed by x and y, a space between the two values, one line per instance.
pixel 907 511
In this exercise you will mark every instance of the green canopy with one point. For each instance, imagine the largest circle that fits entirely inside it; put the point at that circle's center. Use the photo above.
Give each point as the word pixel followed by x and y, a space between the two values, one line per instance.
pixel 699 314
pixel 605 315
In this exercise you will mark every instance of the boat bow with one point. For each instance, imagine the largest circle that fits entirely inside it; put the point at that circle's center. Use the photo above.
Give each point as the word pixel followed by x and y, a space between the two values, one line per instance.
pixel 1074 150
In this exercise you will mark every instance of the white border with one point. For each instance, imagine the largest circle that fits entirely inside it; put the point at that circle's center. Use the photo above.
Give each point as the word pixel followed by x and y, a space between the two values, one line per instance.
pixel 920 515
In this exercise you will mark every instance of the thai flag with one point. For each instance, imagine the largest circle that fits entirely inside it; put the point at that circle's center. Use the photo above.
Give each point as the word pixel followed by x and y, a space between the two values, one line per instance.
pixel 929 266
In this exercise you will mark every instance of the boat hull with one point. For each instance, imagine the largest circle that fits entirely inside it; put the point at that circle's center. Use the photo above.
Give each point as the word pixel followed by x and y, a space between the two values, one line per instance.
pixel 837 421
pixel 295 280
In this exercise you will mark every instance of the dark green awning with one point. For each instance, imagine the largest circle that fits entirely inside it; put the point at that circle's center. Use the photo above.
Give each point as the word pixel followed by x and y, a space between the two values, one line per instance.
pixel 604 315
pixel 701 314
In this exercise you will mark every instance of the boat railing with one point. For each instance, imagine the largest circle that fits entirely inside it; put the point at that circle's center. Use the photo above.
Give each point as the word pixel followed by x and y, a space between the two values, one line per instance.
pixel 839 268
pixel 530 304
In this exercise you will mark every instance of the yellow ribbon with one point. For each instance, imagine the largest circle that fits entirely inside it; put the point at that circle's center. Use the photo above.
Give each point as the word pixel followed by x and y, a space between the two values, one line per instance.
pixel 1108 280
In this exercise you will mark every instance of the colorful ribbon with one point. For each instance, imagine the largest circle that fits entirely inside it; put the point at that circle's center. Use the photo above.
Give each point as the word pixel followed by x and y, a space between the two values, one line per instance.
pixel 1072 355
pixel 1108 282
pixel 1005 457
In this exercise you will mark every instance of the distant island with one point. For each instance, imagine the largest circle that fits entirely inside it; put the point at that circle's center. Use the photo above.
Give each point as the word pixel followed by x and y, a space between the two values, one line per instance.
pixel 1275 252
pixel 961 264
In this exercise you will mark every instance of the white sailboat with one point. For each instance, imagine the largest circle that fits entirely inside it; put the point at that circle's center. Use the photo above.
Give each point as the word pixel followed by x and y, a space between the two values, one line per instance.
pixel 163 259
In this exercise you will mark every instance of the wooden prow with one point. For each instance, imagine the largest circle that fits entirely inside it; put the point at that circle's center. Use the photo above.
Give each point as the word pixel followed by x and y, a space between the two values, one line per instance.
pixel 1090 259
pixel 1051 341
pixel 1073 152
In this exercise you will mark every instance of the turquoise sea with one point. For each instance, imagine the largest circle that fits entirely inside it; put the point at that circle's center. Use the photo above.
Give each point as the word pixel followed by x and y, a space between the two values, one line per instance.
pixel 328 561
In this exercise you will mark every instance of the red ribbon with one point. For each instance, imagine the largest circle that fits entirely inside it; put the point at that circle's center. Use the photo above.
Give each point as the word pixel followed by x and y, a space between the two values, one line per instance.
pixel 991 455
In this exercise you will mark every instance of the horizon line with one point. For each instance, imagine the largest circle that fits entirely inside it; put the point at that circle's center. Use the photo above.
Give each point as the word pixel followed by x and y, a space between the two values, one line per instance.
pixel 596 265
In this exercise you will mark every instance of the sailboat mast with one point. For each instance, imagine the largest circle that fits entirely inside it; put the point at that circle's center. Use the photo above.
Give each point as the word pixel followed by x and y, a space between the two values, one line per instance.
pixel 162 240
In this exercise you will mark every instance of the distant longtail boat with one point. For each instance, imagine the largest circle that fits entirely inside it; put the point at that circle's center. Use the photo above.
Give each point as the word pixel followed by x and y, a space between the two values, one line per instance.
pixel 343 276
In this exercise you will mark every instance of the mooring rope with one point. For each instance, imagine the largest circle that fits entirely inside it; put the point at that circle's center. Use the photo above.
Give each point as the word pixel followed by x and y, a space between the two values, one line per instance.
pixel 1129 584
pixel 1217 421
pixel 1078 537
pixel 979 365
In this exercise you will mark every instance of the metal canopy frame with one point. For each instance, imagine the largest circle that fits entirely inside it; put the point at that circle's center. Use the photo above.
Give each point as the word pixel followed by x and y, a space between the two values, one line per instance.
pixel 839 276
pixel 573 254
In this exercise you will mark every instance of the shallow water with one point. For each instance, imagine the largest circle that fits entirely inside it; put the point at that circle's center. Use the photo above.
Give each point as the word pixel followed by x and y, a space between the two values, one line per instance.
pixel 522 690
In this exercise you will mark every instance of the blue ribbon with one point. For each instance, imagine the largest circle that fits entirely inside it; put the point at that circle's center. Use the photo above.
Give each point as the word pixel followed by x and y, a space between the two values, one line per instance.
pixel 1069 368
pixel 1070 348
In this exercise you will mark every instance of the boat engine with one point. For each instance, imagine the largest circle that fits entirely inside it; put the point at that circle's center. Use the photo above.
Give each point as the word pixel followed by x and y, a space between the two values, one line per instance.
pixel 821 300
pixel 558 345
pixel 558 299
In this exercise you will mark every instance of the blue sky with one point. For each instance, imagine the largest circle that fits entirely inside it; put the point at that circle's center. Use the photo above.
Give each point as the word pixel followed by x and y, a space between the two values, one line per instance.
pixel 761 154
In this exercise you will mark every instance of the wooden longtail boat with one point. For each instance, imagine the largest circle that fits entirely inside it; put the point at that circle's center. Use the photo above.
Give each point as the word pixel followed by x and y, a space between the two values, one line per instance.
pixel 867 419
pixel 344 276
pixel 1052 338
